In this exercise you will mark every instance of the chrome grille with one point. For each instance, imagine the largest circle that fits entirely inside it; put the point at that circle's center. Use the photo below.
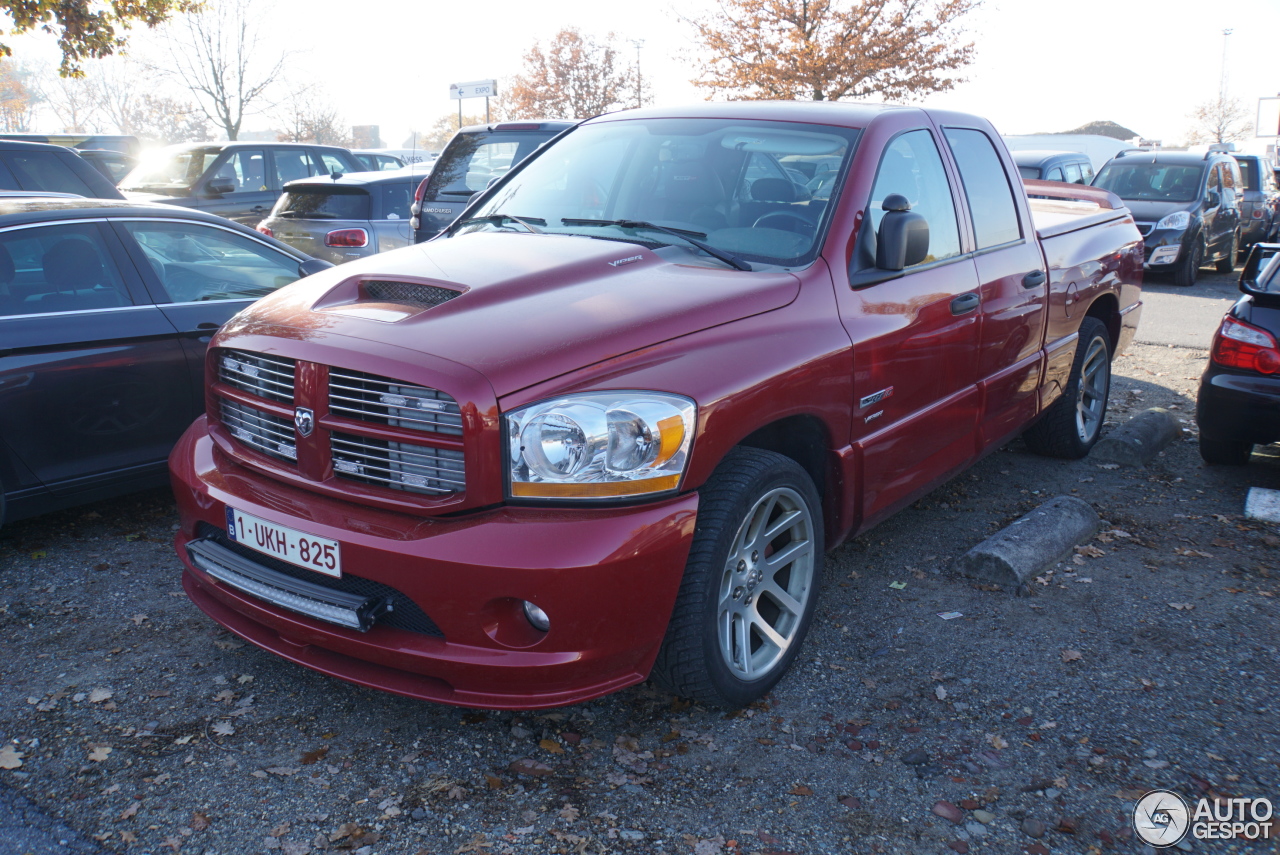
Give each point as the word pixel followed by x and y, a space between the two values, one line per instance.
pixel 398 465
pixel 407 293
pixel 370 398
pixel 269 377
pixel 271 435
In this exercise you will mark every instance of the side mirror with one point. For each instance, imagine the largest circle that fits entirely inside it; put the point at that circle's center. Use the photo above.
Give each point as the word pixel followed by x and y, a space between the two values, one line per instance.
pixel 220 188
pixel 313 265
pixel 1212 199
pixel 903 238
pixel 1259 275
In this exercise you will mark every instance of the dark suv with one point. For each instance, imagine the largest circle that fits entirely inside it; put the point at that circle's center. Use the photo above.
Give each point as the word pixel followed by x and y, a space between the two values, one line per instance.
pixel 473 158
pixel 1186 205
pixel 236 180
pixel 41 168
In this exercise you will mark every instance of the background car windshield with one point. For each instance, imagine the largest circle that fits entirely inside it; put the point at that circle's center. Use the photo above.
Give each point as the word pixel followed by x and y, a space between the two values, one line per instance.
pixel 758 190
pixel 170 172
pixel 1151 182
pixel 323 203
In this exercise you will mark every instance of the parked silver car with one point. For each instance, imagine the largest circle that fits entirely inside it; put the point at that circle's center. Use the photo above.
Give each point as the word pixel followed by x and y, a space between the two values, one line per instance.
pixel 352 216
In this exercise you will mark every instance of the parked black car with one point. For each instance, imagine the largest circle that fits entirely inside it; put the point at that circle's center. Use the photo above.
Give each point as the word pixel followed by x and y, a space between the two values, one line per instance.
pixel 1260 205
pixel 42 168
pixel 1186 205
pixel 105 311
pixel 236 180
pixel 115 165
pixel 1238 405
pixel 1073 167
pixel 473 158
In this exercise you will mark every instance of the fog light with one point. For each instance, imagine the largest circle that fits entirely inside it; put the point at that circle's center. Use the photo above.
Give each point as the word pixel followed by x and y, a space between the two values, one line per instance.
pixel 1164 255
pixel 537 617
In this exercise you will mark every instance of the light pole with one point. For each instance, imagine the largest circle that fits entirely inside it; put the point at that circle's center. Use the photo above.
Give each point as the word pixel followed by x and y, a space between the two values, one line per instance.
pixel 639 43
pixel 1222 80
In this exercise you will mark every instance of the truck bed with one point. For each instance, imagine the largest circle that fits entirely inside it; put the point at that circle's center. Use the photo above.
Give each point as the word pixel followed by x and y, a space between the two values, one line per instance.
pixel 1058 208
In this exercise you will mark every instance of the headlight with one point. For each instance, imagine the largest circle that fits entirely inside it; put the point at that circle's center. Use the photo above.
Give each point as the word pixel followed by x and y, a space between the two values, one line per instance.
pixel 599 445
pixel 1176 220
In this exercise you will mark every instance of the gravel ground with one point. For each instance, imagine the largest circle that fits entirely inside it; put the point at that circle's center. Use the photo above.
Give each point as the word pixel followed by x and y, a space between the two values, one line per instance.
pixel 1027 725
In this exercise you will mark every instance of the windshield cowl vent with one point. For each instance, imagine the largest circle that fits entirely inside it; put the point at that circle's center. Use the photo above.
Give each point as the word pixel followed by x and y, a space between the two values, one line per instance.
pixel 415 294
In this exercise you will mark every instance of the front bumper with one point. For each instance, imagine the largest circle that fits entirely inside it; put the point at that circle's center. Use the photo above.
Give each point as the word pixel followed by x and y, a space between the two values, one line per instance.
pixel 1163 249
pixel 1238 407
pixel 606 577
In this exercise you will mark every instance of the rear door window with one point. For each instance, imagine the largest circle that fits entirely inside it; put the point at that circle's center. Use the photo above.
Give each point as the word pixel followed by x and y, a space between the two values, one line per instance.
pixel 1072 172
pixel 45 170
pixel 294 163
pixel 395 199
pixel 324 203
pixel 995 214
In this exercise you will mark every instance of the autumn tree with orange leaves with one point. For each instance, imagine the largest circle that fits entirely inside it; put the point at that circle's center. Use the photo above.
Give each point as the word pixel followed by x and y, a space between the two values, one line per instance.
pixel 826 50
pixel 572 76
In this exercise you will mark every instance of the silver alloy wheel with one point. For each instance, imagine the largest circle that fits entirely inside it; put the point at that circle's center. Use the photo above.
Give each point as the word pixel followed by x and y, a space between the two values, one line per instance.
pixel 1095 377
pixel 766 583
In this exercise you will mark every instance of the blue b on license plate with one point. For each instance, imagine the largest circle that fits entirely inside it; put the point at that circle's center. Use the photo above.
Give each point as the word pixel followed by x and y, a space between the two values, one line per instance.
pixel 288 544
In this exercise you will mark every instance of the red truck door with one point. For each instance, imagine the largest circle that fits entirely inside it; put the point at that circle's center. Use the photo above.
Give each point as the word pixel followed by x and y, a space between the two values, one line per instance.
pixel 1013 281
pixel 915 339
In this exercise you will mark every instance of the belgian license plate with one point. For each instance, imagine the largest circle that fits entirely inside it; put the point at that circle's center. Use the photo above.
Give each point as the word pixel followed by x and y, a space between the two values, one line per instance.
pixel 296 547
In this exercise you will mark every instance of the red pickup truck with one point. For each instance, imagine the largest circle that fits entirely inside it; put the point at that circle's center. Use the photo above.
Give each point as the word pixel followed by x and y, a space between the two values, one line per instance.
pixel 606 425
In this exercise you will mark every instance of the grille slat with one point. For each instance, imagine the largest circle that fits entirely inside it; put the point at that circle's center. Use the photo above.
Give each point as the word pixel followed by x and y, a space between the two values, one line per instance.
pixel 260 430
pixel 369 397
pixel 407 293
pixel 402 462
pixel 270 377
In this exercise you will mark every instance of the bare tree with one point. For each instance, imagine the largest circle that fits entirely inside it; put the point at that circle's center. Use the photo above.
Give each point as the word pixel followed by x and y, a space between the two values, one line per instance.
pixel 832 49
pixel 1220 120
pixel 308 117
pixel 226 63
pixel 441 131
pixel 74 102
pixel 571 76
pixel 18 99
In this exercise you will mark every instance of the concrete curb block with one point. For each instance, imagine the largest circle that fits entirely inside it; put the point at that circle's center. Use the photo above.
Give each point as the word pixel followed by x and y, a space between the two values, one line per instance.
pixel 1262 504
pixel 1014 555
pixel 1139 440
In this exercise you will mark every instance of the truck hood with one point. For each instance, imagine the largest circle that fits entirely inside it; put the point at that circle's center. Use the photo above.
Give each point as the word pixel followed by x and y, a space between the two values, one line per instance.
pixel 531 307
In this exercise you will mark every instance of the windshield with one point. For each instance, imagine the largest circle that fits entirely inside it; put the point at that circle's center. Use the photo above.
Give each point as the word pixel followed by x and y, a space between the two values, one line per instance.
pixel 170 172
pixel 1151 182
pixel 756 191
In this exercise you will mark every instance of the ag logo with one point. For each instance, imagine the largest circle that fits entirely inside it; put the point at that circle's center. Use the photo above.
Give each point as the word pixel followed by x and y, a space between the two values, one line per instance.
pixel 1161 818
pixel 304 420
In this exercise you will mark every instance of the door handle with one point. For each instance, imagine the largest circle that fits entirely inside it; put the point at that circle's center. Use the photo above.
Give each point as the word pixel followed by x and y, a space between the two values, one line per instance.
pixel 1034 279
pixel 258 209
pixel 208 325
pixel 965 303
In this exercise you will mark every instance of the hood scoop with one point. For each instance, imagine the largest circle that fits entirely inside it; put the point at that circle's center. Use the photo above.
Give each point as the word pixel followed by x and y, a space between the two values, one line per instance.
pixel 386 300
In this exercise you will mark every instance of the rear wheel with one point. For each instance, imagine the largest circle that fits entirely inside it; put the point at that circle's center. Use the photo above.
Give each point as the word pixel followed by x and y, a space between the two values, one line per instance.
pixel 1228 262
pixel 750 584
pixel 1189 270
pixel 1073 423
pixel 1225 452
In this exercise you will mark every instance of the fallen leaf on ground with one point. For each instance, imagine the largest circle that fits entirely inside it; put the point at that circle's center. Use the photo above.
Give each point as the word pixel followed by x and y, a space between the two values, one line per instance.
pixel 897 586
pixel 199 822
pixel 314 756
pixel 281 830
pixel 100 753
pixel 1072 655
pixel 282 771
pixel 131 811
pixel 138 619
pixel 1182 607
pixel 223 728
pixel 569 813
pixel 10 757
pixel 800 790
pixel 97 696
pixel 551 745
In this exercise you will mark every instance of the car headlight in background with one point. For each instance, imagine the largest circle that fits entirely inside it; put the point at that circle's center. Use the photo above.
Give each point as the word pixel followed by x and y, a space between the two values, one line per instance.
pixel 599 445
pixel 1176 220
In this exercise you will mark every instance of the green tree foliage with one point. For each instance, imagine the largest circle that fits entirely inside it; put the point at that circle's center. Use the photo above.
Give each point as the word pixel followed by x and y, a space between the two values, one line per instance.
pixel 86 29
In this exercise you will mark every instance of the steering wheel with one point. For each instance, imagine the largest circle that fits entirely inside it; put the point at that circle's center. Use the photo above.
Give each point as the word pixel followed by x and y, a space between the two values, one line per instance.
pixel 806 226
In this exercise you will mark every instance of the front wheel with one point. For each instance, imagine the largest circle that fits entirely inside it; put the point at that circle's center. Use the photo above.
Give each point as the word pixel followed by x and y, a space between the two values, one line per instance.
pixel 1073 423
pixel 1225 452
pixel 750 584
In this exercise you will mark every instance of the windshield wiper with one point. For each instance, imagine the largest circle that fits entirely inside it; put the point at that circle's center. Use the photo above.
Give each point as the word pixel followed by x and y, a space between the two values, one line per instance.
pixel 499 219
pixel 684 234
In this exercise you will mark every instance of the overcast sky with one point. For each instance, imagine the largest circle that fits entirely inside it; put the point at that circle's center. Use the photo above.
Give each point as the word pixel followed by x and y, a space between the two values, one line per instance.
pixel 1041 65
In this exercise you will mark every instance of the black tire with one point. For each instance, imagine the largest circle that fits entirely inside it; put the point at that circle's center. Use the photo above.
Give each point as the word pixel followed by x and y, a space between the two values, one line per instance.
pixel 1189 270
pixel 1072 424
pixel 1225 452
pixel 703 655
pixel 1227 263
